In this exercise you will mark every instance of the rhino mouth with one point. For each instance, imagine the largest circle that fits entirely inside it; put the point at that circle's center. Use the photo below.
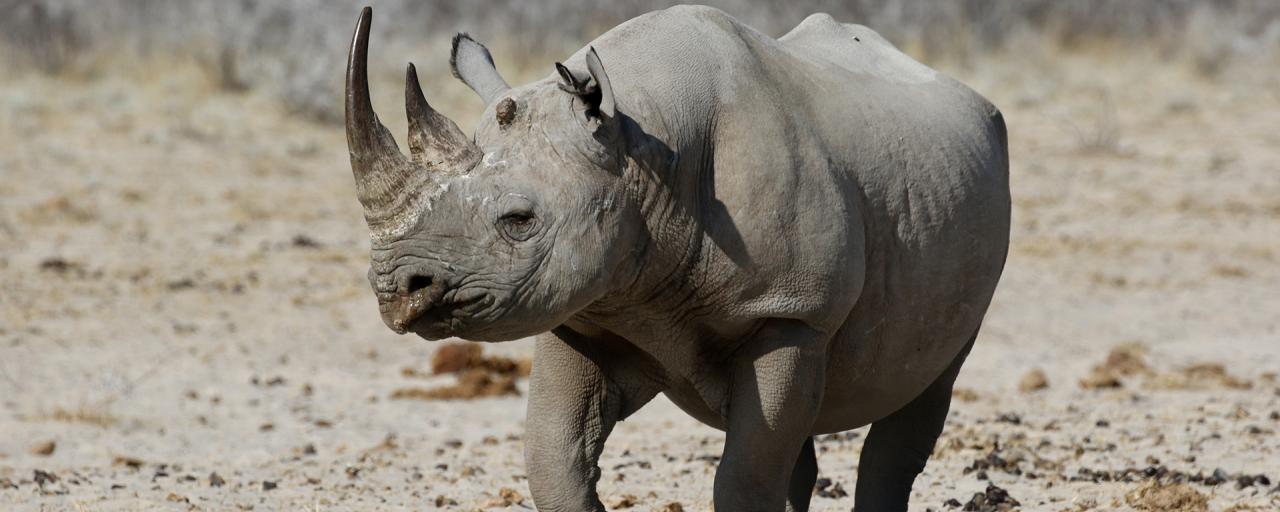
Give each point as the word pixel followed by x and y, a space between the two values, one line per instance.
pixel 433 315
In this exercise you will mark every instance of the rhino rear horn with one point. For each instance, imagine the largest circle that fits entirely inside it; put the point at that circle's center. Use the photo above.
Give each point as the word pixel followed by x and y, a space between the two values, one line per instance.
pixel 435 141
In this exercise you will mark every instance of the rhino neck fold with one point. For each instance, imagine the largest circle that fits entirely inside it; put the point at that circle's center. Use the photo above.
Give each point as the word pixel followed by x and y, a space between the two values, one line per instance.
pixel 660 286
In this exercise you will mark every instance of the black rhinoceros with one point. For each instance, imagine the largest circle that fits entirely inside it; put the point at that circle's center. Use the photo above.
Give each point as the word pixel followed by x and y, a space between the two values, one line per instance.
pixel 786 237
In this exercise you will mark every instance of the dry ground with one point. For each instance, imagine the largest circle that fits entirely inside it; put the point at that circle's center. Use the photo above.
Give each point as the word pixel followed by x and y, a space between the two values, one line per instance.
pixel 183 296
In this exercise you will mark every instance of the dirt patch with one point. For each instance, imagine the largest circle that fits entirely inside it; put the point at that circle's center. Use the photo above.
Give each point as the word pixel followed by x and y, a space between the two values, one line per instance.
pixel 460 357
pixel 1199 376
pixel 1130 360
pixel 455 357
pixel 965 395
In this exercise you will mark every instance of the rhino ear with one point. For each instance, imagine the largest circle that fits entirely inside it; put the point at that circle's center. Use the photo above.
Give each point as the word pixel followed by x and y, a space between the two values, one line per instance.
pixel 594 88
pixel 606 106
pixel 573 83
pixel 472 63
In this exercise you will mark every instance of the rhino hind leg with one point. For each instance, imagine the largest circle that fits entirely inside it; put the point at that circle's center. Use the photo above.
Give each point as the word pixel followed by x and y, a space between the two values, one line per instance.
pixel 899 445
pixel 803 477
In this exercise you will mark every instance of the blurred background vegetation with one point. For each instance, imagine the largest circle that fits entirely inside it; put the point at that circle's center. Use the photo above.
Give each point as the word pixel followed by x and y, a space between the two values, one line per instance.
pixel 294 50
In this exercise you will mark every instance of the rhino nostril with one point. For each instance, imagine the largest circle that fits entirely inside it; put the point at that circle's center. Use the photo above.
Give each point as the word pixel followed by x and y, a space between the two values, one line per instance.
pixel 418 283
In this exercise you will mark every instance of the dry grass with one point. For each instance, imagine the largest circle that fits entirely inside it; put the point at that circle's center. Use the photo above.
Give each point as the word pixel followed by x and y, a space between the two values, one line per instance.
pixel 1167 497
pixel 295 48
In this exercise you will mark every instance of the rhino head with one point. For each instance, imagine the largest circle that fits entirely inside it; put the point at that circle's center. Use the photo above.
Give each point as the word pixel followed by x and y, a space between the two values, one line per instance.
pixel 500 237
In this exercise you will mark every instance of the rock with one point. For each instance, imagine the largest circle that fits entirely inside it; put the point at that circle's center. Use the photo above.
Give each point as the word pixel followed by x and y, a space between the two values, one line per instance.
pixel 42 477
pixel 216 480
pixel 825 488
pixel 45 448
pixel 132 463
pixel 1033 380
pixel 1124 360
pixel 506 498
pixel 993 499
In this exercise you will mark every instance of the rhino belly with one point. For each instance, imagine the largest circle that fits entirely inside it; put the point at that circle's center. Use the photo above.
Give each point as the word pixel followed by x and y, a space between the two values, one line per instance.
pixel 864 386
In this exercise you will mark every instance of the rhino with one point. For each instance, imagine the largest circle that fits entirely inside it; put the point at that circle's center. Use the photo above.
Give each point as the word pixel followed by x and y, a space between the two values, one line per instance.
pixel 785 237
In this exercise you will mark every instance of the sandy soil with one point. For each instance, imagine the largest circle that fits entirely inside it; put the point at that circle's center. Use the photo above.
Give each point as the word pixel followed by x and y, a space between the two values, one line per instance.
pixel 185 322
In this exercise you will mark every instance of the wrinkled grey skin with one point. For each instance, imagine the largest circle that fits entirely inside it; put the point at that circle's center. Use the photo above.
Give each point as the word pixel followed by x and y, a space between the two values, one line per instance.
pixel 785 237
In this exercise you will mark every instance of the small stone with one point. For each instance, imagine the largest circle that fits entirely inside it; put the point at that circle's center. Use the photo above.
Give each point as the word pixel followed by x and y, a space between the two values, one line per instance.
pixel 831 490
pixel 268 485
pixel 1033 380
pixel 42 477
pixel 216 480
pixel 509 496
pixel 623 501
pixel 1009 418
pixel 132 463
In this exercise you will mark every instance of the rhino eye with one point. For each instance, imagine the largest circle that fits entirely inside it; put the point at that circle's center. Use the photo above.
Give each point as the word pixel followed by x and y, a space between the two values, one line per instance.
pixel 518 226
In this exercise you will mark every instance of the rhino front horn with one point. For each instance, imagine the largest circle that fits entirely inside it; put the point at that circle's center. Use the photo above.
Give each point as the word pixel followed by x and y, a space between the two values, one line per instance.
pixel 382 173
pixel 435 141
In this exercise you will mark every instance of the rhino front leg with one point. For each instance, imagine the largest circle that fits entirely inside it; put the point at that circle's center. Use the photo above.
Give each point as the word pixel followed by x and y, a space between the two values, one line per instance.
pixel 573 405
pixel 777 384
